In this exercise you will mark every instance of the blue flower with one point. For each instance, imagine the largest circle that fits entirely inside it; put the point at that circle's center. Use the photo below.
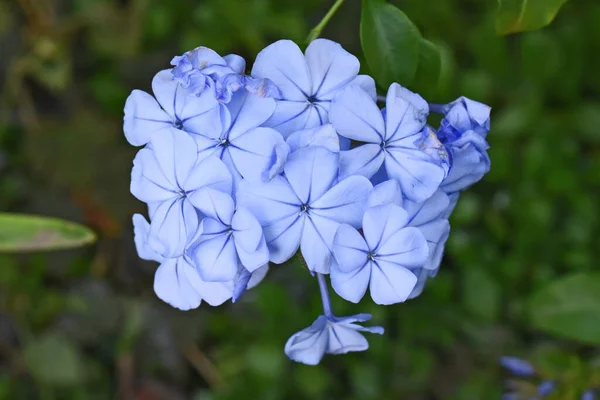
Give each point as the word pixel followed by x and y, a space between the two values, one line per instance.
pixel 177 281
pixel 323 136
pixel 228 237
pixel 392 139
pixel 382 259
pixel 331 335
pixel 247 280
pixel 463 129
pixel 517 366
pixel 249 150
pixel 164 175
pixel 305 207
pixel 545 388
pixel 307 82
pixel 202 67
pixel 588 395
pixel 172 108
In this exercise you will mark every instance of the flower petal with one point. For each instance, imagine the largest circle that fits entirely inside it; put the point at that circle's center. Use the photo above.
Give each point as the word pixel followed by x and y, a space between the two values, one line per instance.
pixel 236 63
pixel 351 285
pixel 381 222
pixel 311 171
pixel 246 230
pixel 331 67
pixel 344 339
pixel 349 248
pixel 345 202
pixel 309 345
pixel 219 177
pixel 366 83
pixel 284 64
pixel 355 115
pixel 173 224
pixel 419 178
pixel 148 183
pixel 268 201
pixel 213 204
pixel 390 283
pixel 324 136
pixel 176 154
pixel 317 240
pixel 406 113
pixel 252 153
pixel 216 293
pixel 175 283
pixel 436 233
pixel 289 116
pixel 431 209
pixel 363 160
pixel 283 237
pixel 141 229
pixel 253 260
pixel 385 193
pixel 143 118
pixel 406 247
pixel 216 258
pixel 248 112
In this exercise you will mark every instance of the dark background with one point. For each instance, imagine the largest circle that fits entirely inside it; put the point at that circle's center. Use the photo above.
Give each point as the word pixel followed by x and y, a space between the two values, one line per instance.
pixel 86 324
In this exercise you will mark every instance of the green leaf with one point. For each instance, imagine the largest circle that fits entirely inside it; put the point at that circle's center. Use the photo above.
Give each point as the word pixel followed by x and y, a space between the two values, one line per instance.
pixel 390 42
pixel 569 307
pixel 525 15
pixel 21 233
pixel 429 70
pixel 53 360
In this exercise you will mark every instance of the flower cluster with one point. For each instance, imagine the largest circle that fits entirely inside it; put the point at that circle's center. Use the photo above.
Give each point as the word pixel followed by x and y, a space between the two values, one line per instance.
pixel 239 171
pixel 526 390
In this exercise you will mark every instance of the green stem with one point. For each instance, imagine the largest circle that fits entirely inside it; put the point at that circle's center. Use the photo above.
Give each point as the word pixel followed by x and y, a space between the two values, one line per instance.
pixel 316 31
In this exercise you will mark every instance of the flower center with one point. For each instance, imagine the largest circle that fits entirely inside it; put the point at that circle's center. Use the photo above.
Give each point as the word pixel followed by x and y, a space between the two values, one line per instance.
pixel 178 124
pixel 224 142
pixel 304 208
pixel 372 256
pixel 312 99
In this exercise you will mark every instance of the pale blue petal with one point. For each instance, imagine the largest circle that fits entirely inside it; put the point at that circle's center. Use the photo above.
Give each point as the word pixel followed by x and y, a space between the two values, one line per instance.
pixel 311 171
pixel 350 322
pixel 283 237
pixel 419 178
pixel 387 192
pixel 201 115
pixel 284 64
pixel 141 230
pixel 216 293
pixel 453 202
pixel 268 201
pixel 381 222
pixel 345 202
pixel 253 260
pixel 143 118
pixel 436 233
pixel 390 283
pixel 355 115
pixel 216 258
pixel 366 83
pixel 252 153
pixel 589 395
pixel 289 116
pixel 213 204
pixel 429 143
pixel 168 92
pixel 258 276
pixel 148 183
pixel 241 283
pixel 349 248
pixel 343 339
pixel 351 285
pixel 277 161
pixel 175 283
pixel 422 275
pixel 317 240
pixel 176 154
pixel 470 162
pixel 173 224
pixel 316 115
pixel 247 232
pixel 324 136
pixel 309 345
pixel 518 366
pixel 431 209
pixel 235 174
pixel 363 160
pixel 248 112
pixel 406 247
pixel 331 67
pixel 406 113
pixel 236 63
pixel 219 177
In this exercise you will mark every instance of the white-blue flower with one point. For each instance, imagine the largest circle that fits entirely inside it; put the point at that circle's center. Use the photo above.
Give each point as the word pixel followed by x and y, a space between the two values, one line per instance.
pixel 329 335
pixel 392 138
pixel 172 108
pixel 164 175
pixel 229 237
pixel 304 207
pixel 381 260
pixel 307 82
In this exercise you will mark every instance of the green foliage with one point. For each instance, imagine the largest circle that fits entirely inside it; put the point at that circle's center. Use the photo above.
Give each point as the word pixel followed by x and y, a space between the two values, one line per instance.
pixel 525 15
pixel 52 360
pixel 569 307
pixel 390 42
pixel 19 233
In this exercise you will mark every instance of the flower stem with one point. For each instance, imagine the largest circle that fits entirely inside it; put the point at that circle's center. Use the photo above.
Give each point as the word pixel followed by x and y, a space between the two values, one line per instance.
pixel 316 31
pixel 325 295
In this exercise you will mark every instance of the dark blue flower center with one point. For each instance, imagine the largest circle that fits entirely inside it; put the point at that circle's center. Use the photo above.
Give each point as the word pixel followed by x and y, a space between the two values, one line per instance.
pixel 312 99
pixel 304 208
pixel 371 256
pixel 178 124
pixel 224 142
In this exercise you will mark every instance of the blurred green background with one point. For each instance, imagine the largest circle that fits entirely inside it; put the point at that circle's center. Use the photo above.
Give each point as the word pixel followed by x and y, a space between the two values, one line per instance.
pixel 86 324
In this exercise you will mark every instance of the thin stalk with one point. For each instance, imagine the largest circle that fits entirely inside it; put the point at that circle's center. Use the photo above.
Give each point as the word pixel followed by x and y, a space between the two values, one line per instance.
pixel 325 295
pixel 316 31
